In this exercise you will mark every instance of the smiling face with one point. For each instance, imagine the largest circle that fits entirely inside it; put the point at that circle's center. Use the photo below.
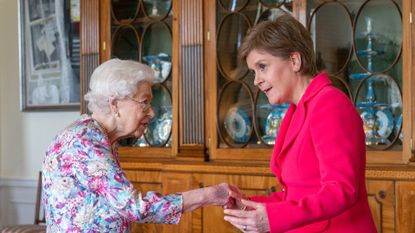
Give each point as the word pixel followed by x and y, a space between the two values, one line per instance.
pixel 135 112
pixel 275 76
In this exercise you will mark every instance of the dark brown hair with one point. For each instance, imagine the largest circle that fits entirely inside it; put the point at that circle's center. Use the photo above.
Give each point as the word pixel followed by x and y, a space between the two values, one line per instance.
pixel 281 38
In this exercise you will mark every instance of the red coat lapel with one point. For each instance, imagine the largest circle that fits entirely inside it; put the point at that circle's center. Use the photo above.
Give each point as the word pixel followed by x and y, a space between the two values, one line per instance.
pixel 281 138
pixel 294 118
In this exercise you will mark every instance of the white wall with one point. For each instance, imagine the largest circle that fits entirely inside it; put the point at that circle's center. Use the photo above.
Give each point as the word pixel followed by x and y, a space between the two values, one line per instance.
pixel 24 136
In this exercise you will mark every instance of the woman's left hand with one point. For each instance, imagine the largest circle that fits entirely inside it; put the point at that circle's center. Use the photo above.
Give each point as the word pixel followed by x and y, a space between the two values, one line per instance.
pixel 253 219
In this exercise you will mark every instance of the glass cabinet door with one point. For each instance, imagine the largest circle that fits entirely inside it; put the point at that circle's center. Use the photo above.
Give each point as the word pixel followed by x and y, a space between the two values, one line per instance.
pixel 244 118
pixel 141 30
pixel 359 43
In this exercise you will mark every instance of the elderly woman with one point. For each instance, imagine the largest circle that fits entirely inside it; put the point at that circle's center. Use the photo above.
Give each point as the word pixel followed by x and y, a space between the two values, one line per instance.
pixel 85 188
pixel 319 154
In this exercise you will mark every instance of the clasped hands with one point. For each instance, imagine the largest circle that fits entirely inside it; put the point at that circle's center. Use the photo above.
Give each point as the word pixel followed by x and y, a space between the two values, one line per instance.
pixel 246 215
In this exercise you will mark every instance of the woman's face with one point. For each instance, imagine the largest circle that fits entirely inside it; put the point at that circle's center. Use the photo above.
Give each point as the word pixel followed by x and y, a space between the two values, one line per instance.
pixel 135 112
pixel 273 75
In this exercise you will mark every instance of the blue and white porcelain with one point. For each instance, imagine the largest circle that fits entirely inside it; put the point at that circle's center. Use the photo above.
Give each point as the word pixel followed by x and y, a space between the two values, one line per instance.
pixel 238 125
pixel 159 128
pixel 164 126
pixel 161 64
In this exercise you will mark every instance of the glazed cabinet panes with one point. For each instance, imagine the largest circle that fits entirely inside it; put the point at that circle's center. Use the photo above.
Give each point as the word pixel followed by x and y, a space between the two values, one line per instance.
pixel 244 118
pixel 142 31
pixel 359 43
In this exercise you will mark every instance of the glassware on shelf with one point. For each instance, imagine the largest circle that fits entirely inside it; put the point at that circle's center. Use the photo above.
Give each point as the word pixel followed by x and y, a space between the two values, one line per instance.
pixel 273 122
pixel 377 118
pixel 379 24
pixel 378 124
pixel 369 52
pixel 380 109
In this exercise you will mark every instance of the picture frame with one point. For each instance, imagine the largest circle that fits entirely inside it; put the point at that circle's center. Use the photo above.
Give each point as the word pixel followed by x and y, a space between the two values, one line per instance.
pixel 49 55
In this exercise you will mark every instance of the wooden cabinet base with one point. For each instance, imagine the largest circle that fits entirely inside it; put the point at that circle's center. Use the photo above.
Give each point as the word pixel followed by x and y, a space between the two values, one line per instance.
pixel 391 192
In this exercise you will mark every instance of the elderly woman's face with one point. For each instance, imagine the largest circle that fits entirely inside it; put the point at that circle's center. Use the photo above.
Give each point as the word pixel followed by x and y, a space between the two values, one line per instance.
pixel 136 112
pixel 273 75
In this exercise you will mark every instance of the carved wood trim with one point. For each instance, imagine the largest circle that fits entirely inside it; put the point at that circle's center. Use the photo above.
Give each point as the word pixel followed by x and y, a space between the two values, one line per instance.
pixel 192 81
pixel 397 173
pixel 391 174
pixel 89 44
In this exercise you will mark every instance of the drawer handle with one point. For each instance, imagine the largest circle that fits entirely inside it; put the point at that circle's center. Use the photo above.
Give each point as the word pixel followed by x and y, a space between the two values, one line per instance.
pixel 382 194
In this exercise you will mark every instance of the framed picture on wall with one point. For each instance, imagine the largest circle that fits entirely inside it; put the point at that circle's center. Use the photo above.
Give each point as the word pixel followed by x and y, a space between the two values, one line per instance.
pixel 49 55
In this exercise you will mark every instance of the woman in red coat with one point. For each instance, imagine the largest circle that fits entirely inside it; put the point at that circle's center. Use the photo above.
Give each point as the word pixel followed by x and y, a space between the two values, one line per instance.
pixel 319 154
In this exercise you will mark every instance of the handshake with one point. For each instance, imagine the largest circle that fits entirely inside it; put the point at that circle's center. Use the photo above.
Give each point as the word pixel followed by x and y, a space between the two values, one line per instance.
pixel 246 215
pixel 229 196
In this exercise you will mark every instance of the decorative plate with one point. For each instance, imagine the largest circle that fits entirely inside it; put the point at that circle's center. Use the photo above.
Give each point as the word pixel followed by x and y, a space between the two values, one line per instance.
pixel 238 125
pixel 163 127
pixel 384 122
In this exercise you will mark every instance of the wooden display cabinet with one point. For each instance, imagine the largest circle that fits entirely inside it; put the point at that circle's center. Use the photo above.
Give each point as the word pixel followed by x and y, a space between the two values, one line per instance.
pixel 206 81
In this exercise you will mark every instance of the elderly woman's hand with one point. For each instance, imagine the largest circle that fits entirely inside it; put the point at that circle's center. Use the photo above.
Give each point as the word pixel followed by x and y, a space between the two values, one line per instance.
pixel 225 195
pixel 254 219
pixel 221 194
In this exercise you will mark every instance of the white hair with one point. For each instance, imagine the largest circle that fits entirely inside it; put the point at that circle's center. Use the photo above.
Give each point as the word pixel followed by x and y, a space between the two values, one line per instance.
pixel 118 79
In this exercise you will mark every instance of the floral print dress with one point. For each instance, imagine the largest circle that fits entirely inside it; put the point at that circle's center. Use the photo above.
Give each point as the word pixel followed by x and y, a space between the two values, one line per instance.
pixel 85 189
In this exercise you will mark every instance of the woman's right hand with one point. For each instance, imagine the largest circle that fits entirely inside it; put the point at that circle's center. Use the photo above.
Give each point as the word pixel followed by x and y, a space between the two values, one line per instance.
pixel 226 195
pixel 221 195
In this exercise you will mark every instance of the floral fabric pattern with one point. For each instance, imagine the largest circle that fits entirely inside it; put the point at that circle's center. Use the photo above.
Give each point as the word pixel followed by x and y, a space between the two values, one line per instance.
pixel 85 189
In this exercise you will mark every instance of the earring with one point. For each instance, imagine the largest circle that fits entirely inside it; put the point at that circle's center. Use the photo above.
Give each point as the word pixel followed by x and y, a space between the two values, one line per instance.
pixel 117 114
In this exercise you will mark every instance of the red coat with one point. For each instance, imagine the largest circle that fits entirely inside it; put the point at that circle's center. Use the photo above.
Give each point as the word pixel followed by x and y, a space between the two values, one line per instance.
pixel 319 160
